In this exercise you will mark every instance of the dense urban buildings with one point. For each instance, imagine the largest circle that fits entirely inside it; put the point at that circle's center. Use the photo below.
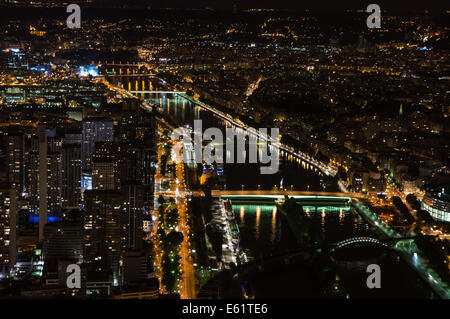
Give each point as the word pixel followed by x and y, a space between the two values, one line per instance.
pixel 89 178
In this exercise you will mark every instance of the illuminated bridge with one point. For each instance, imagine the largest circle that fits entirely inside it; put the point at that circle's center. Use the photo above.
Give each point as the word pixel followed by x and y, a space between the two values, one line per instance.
pixel 131 75
pixel 125 64
pixel 154 92
pixel 270 194
pixel 358 241
pixel 312 199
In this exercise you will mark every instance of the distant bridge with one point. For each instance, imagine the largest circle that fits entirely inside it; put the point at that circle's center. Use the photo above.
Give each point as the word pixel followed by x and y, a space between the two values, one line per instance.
pixel 125 64
pixel 131 75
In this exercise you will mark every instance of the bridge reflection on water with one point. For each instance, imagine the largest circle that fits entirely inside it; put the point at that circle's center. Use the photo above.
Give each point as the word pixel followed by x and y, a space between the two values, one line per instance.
pixel 265 234
pixel 264 231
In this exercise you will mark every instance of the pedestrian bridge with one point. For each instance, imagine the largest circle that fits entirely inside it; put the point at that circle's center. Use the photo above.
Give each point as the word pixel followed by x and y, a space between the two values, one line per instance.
pixel 354 241
pixel 358 240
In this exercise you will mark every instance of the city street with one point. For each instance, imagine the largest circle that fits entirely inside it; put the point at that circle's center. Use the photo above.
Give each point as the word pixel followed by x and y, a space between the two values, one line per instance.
pixel 177 190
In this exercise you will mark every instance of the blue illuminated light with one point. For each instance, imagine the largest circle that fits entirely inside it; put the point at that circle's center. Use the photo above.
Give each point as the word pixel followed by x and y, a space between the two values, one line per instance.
pixel 86 181
pixel 88 70
pixel 50 219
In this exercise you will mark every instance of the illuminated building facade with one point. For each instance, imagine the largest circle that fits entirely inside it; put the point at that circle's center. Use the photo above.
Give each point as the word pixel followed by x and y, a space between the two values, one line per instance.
pixel 71 175
pixel 95 130
pixel 8 231
pixel 437 204
pixel 103 232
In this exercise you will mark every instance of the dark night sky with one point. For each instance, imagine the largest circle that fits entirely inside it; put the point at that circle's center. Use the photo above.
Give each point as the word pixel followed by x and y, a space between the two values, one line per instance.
pixel 402 5
pixel 316 5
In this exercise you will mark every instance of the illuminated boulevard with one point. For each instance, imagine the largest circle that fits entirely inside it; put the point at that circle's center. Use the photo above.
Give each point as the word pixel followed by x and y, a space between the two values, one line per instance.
pixel 187 289
pixel 177 190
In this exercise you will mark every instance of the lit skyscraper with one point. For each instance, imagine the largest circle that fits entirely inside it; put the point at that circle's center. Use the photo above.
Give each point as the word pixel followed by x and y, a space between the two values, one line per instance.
pixel 95 130
pixel 71 175
pixel 8 230
pixel 15 146
pixel 42 184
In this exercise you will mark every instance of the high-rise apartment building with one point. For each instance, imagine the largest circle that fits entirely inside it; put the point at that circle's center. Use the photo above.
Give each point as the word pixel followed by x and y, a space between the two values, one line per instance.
pixel 8 228
pixel 42 182
pixel 95 130
pixel 15 149
pixel 104 174
pixel 71 175
pixel 104 238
